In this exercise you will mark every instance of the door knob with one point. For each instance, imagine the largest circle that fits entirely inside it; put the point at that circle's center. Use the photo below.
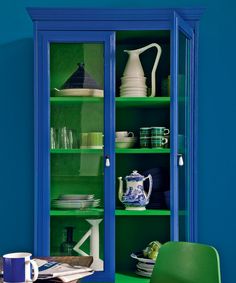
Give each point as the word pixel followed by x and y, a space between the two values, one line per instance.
pixel 107 161
pixel 181 160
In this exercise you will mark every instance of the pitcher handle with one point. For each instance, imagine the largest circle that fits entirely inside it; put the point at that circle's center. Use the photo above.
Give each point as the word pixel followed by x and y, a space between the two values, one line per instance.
pixel 150 185
pixel 153 75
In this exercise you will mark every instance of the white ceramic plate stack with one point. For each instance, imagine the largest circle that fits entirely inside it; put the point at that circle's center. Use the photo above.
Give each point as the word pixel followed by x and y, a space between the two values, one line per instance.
pixel 133 87
pixel 144 266
pixel 125 142
pixel 80 201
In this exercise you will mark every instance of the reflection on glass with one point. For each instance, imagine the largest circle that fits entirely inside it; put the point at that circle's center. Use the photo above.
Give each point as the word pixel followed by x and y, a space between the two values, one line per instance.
pixel 77 144
pixel 68 245
pixel 183 125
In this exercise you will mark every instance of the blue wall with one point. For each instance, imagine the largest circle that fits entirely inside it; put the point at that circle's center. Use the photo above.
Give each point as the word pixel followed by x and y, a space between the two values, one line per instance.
pixel 217 108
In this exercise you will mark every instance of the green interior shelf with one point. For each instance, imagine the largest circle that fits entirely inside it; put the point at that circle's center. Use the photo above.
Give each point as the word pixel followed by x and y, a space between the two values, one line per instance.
pixel 142 101
pixel 118 212
pixel 120 101
pixel 142 150
pixel 148 212
pixel 75 99
pixel 81 213
pixel 76 150
pixel 118 150
pixel 130 278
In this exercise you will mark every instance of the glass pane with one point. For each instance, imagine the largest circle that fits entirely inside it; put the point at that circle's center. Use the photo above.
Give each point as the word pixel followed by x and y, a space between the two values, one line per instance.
pixel 77 139
pixel 183 126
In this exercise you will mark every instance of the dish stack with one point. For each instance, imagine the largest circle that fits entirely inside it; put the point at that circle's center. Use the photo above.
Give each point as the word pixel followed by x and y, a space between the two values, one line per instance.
pixel 144 266
pixel 133 87
pixel 76 201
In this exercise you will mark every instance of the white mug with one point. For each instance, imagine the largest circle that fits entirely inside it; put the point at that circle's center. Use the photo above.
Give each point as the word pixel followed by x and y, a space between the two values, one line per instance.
pixel 17 268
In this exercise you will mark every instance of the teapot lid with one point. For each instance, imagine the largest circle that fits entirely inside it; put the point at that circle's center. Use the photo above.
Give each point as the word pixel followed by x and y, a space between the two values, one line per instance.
pixel 134 176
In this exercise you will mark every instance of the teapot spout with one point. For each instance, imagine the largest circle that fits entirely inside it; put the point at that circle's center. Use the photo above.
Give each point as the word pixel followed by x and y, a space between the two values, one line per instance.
pixel 120 192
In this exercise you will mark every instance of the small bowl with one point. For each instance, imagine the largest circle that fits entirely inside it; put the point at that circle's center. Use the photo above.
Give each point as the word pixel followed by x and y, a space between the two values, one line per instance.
pixel 122 144
pixel 126 139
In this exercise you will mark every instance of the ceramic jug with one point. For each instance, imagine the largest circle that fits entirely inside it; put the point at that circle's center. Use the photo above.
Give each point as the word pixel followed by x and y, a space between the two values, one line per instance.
pixel 135 198
pixel 133 80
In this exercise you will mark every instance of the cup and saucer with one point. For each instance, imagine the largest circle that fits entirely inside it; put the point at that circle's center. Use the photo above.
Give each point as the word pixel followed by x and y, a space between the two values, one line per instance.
pixel 125 139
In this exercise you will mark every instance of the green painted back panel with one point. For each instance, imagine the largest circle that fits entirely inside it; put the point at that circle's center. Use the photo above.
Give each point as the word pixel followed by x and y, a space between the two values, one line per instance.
pixel 76 171
pixel 133 233
pixel 58 235
pixel 64 58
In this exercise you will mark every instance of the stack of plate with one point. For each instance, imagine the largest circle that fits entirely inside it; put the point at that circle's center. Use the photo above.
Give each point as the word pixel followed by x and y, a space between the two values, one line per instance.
pixel 133 86
pixel 81 201
pixel 144 266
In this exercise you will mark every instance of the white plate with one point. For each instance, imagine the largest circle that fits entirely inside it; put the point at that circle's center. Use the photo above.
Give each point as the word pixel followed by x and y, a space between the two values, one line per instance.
pixel 75 196
pixel 91 146
pixel 146 267
pixel 74 205
pixel 132 95
pixel 132 88
pixel 139 257
pixel 80 92
pixel 58 201
pixel 143 273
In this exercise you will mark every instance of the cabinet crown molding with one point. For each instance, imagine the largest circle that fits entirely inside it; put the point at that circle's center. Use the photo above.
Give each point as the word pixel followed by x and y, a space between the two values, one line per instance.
pixel 72 14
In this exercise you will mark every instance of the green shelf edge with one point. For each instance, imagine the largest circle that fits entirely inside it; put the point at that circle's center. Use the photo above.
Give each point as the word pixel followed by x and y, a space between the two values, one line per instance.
pixel 80 213
pixel 148 212
pixel 118 212
pixel 118 151
pixel 120 101
pixel 130 277
pixel 76 150
pixel 142 101
pixel 142 150
pixel 77 99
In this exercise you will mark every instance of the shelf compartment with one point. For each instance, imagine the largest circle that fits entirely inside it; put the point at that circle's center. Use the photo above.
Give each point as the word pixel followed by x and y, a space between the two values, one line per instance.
pixel 74 100
pixel 142 101
pixel 95 212
pixel 142 150
pixel 76 151
pixel 118 150
pixel 130 277
pixel 148 212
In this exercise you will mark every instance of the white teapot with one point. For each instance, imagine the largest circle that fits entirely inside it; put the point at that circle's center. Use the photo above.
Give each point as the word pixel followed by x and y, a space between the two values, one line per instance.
pixel 135 198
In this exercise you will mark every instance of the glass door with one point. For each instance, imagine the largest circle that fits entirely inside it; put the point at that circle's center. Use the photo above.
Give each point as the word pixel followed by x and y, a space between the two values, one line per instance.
pixel 182 82
pixel 79 207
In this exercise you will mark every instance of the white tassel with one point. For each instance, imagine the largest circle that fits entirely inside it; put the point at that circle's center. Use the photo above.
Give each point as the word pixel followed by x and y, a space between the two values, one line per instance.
pixel 181 160
pixel 107 161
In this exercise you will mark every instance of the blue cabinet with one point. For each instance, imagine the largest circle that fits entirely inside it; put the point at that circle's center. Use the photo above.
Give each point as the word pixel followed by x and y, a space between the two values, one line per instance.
pixel 80 104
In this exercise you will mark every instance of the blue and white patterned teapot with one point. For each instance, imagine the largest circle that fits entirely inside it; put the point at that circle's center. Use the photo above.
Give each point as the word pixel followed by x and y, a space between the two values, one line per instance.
pixel 135 198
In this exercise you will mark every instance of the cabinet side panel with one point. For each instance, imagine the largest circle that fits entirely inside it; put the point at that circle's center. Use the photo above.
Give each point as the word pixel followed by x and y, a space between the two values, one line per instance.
pixel 41 104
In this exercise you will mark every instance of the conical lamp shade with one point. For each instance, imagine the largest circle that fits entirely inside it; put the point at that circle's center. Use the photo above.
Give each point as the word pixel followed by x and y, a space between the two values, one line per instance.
pixel 81 79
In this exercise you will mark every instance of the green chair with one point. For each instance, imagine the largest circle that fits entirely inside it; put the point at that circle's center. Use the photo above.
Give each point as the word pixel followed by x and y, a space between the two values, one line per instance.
pixel 182 262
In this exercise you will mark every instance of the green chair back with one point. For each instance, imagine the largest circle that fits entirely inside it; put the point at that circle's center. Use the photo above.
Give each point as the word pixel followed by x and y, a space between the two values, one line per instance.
pixel 182 262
